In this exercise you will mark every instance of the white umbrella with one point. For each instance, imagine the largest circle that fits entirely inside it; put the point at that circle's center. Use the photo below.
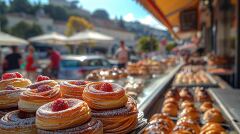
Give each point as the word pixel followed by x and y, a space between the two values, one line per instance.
pixel 9 40
pixel 52 38
pixel 88 36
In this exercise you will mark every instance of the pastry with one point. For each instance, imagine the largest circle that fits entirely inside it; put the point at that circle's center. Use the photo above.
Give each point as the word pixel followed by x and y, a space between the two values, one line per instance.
pixel 12 123
pixel 118 121
pixel 73 88
pixel 172 93
pixel 213 128
pixel 158 124
pixel 42 80
pixel 186 104
pixel 213 115
pixel 62 114
pixel 170 100
pixel 102 95
pixel 190 112
pixel 31 100
pixel 9 97
pixel 203 96
pixel 206 106
pixel 186 126
pixel 185 95
pixel 13 79
pixel 170 109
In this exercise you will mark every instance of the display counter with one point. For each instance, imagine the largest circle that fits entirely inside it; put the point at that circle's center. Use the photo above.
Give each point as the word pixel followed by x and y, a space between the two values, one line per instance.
pixel 228 100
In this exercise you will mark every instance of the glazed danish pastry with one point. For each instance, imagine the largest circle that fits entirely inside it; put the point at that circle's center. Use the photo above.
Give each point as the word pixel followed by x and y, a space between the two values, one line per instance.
pixel 31 100
pixel 101 95
pixel 190 112
pixel 173 93
pixel 118 121
pixel 186 126
pixel 13 124
pixel 159 124
pixel 213 128
pixel 62 114
pixel 213 115
pixel 170 109
pixel 205 106
pixel 13 79
pixel 73 89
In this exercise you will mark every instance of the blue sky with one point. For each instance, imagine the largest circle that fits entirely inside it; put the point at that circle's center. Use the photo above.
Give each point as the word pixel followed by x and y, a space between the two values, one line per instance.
pixel 130 10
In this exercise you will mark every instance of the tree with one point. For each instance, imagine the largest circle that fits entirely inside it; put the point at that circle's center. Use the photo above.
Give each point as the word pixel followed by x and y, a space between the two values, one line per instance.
pixel 3 23
pixel 147 44
pixel 76 24
pixel 3 7
pixel 19 6
pixel 56 12
pixel 101 14
pixel 25 30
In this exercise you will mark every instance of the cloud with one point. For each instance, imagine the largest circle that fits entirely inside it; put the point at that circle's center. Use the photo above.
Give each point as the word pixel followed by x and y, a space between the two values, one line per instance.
pixel 129 17
pixel 147 20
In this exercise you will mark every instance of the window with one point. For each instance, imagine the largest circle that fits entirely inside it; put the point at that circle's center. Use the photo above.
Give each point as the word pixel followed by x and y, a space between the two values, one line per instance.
pixel 70 63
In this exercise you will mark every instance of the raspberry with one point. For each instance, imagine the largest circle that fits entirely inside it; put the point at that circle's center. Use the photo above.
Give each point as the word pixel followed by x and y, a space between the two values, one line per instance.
pixel 8 76
pixel 18 75
pixel 107 87
pixel 98 86
pixel 43 88
pixel 79 83
pixel 59 105
pixel 42 78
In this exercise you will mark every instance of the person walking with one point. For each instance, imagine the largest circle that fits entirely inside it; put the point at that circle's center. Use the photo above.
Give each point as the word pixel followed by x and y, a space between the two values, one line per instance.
pixel 12 61
pixel 55 58
pixel 122 55
pixel 31 63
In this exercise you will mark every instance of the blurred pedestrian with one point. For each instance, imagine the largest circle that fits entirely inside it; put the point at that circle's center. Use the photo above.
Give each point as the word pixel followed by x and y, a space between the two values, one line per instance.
pixel 55 58
pixel 31 63
pixel 13 60
pixel 122 55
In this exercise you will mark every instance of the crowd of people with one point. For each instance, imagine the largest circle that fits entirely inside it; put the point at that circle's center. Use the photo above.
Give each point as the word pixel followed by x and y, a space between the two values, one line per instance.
pixel 30 62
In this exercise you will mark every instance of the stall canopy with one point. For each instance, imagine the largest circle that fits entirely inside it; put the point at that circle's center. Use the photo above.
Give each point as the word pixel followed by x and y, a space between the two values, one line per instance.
pixel 87 36
pixel 168 11
pixel 52 38
pixel 9 40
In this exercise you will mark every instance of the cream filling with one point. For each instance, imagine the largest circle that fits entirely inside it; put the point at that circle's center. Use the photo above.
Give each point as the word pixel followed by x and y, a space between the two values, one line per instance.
pixel 29 106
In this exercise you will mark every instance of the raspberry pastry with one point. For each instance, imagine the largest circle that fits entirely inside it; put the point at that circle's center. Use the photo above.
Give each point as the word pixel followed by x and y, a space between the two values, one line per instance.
pixel 31 100
pixel 73 89
pixel 43 80
pixel 66 116
pixel 101 95
pixel 118 121
pixel 13 79
pixel 12 123
pixel 9 97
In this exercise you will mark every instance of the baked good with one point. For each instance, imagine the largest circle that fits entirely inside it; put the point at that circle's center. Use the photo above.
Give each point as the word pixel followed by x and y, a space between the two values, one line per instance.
pixel 213 115
pixel 185 95
pixel 91 127
pixel 12 123
pixel 31 100
pixel 158 124
pixel 118 121
pixel 190 112
pixel 93 76
pixel 213 128
pixel 170 109
pixel 202 96
pixel 170 100
pixel 186 104
pixel 173 93
pixel 62 114
pixel 73 88
pixel 206 106
pixel 9 97
pixel 186 126
pixel 13 79
pixel 102 95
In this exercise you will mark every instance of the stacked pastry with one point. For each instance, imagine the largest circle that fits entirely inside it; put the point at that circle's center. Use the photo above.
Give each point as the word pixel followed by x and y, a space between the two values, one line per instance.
pixel 110 105
pixel 159 124
pixel 11 86
pixel 73 88
pixel 67 116
pixel 170 105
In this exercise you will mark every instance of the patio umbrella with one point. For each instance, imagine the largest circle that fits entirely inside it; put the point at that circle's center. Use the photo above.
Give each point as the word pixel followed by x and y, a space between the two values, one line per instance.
pixel 88 36
pixel 9 40
pixel 52 38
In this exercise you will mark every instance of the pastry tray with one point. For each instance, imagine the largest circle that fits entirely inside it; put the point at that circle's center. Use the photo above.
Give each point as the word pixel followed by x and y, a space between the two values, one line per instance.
pixel 213 83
